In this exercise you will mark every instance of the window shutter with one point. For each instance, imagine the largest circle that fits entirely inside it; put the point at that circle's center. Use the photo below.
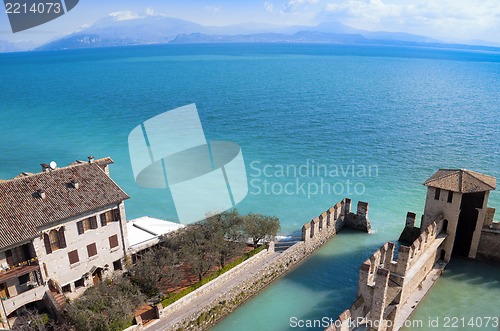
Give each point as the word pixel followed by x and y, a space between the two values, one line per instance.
pixel 79 225
pixel 46 242
pixel 73 257
pixel 93 222
pixel 113 241
pixel 10 259
pixel 62 239
pixel 116 214
pixel 104 222
pixel 92 249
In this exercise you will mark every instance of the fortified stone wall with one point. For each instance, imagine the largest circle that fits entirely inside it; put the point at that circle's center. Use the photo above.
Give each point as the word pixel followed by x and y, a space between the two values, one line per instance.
pixel 489 243
pixel 386 284
pixel 315 234
pixel 335 218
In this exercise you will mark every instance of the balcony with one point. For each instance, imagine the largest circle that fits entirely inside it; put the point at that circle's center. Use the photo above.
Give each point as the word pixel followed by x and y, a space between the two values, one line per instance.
pixel 21 284
pixel 19 270
pixel 33 294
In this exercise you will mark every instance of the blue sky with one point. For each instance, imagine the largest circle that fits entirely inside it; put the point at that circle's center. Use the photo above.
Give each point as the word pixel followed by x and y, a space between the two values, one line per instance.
pixel 448 20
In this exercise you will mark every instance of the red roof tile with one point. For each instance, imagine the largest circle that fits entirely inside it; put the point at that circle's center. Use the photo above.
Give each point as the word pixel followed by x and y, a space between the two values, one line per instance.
pixel 23 211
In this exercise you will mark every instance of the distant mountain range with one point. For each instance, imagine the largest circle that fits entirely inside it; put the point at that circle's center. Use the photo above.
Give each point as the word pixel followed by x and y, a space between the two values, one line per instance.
pixel 7 46
pixel 128 28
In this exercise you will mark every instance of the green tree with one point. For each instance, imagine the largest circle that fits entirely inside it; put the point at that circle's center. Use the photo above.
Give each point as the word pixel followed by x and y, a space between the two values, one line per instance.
pixel 155 266
pixel 260 227
pixel 227 235
pixel 108 306
pixel 197 249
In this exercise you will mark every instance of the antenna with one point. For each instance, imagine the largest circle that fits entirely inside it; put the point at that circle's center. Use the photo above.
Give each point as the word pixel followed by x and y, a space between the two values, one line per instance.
pixel 53 165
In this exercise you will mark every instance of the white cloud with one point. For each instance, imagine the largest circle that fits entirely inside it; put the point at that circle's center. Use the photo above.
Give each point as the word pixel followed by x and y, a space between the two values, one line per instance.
pixel 213 9
pixel 151 12
pixel 450 19
pixel 301 2
pixel 124 15
pixel 304 8
pixel 269 6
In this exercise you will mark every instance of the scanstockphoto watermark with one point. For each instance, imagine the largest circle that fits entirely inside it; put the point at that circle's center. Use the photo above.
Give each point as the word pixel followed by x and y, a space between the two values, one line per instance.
pixel 310 178
pixel 436 322
pixel 325 322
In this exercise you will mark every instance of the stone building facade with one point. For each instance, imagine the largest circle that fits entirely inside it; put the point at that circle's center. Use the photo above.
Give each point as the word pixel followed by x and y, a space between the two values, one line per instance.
pixel 61 231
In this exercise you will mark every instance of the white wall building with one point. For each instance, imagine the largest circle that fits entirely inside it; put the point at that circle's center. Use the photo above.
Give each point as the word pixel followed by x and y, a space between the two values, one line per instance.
pixel 61 231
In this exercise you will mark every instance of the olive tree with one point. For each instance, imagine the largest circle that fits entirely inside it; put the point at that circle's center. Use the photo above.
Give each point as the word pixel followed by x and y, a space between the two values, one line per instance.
pixel 108 306
pixel 226 231
pixel 260 227
pixel 155 266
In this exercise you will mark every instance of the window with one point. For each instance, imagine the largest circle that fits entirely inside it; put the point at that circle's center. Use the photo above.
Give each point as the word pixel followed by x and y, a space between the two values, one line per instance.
pixel 437 193
pixel 110 216
pixel 450 196
pixel 54 240
pixel 116 215
pixel 87 224
pixel 92 250
pixel 10 259
pixel 4 292
pixel 113 241
pixel 23 279
pixel 104 219
pixel 73 257
pixel 117 265
pixel 80 283
pixel 66 288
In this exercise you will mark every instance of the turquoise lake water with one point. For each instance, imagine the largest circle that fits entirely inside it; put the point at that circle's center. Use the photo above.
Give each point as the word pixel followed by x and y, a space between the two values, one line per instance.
pixel 393 114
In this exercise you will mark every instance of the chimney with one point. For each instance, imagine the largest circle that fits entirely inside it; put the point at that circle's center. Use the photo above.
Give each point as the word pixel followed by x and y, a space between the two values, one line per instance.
pixel 91 159
pixel 75 184
pixel 45 167
pixel 41 194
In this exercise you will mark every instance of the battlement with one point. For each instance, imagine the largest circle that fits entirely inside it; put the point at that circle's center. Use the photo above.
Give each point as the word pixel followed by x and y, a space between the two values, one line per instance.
pixel 385 282
pixel 335 218
pixel 489 220
pixel 406 257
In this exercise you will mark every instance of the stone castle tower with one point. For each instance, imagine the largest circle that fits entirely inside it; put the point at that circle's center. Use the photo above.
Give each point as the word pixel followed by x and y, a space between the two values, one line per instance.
pixel 461 197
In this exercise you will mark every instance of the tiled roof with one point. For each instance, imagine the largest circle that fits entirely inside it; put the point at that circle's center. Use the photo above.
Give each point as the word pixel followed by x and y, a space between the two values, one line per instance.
pixel 461 180
pixel 23 210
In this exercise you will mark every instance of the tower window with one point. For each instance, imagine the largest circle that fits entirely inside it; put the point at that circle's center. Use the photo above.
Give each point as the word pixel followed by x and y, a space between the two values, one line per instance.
pixel 437 193
pixel 450 196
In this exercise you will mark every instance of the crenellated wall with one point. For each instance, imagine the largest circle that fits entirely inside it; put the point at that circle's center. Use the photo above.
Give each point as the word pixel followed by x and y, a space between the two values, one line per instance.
pixel 386 284
pixel 335 218
pixel 489 242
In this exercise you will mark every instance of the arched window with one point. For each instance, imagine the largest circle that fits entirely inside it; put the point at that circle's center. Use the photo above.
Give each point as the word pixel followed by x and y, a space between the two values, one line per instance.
pixel 54 240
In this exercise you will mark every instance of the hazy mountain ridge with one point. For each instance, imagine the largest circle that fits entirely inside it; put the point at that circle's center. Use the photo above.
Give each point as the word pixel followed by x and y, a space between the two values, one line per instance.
pixel 128 28
pixel 8 46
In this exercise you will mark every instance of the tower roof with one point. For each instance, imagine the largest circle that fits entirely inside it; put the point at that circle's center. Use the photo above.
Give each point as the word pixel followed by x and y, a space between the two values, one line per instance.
pixel 461 180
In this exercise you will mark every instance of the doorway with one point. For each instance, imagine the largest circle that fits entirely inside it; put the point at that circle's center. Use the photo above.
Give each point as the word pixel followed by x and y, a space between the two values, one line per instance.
pixel 4 292
pixel 97 276
pixel 467 221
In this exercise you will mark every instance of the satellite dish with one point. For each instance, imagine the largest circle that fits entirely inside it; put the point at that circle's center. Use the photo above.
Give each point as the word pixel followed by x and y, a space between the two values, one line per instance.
pixel 52 165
